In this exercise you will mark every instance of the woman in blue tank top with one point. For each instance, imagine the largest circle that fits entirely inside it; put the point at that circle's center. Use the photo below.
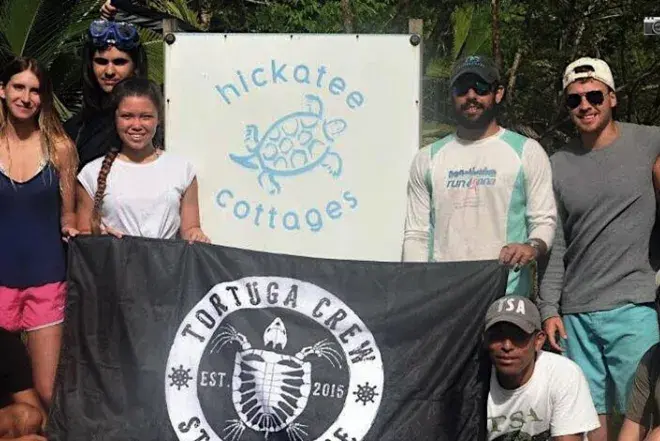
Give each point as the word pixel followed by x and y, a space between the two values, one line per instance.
pixel 38 164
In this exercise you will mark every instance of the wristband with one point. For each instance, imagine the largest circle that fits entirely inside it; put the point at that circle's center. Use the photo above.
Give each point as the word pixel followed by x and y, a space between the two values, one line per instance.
pixel 535 243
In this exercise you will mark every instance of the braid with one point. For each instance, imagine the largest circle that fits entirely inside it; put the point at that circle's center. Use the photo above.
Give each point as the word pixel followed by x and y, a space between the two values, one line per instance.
pixel 100 189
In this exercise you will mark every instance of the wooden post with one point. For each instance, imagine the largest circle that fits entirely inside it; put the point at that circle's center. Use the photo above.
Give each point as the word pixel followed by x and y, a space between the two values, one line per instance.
pixel 170 25
pixel 416 26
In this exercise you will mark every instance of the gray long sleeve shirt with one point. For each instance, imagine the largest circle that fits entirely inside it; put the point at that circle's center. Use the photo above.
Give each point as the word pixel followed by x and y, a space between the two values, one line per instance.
pixel 606 210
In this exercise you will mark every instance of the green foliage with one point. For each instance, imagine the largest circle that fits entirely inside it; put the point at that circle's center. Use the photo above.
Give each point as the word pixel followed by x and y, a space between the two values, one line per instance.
pixel 50 32
pixel 53 32
pixel 179 9
pixel 471 35
pixel 544 36
pixel 472 31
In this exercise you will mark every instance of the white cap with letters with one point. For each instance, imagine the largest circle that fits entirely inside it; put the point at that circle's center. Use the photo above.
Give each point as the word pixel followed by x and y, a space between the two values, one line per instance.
pixel 588 68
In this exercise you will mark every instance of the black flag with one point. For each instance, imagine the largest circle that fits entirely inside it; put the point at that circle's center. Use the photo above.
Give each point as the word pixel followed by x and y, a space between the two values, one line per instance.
pixel 167 341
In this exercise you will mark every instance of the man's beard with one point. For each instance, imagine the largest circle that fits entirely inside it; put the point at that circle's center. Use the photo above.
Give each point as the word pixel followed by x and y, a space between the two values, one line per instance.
pixel 488 114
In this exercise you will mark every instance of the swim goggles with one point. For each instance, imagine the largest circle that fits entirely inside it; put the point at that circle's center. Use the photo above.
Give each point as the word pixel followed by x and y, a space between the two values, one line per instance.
pixel 122 35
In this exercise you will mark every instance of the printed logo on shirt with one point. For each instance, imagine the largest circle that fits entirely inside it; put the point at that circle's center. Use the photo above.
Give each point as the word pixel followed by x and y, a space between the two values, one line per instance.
pixel 515 427
pixel 471 178
pixel 306 139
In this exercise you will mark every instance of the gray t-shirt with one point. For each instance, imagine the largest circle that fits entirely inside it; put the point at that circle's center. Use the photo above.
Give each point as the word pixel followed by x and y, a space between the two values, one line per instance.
pixel 606 211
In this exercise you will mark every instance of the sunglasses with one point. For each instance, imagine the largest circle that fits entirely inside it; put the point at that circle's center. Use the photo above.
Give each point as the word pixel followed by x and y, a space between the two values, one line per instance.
pixel 594 97
pixel 481 88
pixel 122 35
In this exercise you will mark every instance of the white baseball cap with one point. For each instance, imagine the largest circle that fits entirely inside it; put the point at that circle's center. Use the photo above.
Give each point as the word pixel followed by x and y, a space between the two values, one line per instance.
pixel 588 68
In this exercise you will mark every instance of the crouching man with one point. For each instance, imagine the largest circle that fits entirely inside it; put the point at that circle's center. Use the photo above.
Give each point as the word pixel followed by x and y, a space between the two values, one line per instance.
pixel 534 395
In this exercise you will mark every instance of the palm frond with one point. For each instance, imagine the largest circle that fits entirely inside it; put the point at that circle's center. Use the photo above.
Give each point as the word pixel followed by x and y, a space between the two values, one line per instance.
pixel 478 40
pixel 59 29
pixel 153 44
pixel 461 21
pixel 178 9
pixel 17 21
pixel 82 14
pixel 62 109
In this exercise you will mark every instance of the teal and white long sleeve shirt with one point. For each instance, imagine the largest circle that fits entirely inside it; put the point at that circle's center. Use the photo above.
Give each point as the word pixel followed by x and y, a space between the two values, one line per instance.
pixel 467 199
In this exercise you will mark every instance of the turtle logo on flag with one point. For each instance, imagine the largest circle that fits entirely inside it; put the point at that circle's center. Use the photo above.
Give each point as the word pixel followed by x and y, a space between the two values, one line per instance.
pixel 270 389
pixel 270 358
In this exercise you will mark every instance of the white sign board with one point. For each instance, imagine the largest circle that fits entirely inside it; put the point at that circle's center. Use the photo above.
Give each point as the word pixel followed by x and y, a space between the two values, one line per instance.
pixel 302 143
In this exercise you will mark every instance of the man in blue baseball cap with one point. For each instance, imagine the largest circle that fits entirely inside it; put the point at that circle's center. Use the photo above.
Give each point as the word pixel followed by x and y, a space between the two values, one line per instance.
pixel 484 192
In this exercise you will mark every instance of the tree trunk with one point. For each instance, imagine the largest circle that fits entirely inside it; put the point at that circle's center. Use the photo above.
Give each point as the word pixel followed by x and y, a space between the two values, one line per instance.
pixel 347 15
pixel 495 13
pixel 205 14
pixel 512 76
pixel 581 27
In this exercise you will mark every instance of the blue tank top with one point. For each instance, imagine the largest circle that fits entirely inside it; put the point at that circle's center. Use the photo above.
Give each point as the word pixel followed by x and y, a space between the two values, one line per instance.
pixel 32 252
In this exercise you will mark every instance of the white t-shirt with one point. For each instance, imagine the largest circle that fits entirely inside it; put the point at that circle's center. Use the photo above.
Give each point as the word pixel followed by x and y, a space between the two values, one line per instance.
pixel 467 199
pixel 556 401
pixel 142 199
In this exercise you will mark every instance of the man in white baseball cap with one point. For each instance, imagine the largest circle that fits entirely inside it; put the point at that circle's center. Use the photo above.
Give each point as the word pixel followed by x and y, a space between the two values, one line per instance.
pixel 588 68
pixel 599 288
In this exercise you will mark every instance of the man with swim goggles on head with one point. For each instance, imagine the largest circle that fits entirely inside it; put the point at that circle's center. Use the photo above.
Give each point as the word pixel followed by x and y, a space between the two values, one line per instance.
pixel 112 53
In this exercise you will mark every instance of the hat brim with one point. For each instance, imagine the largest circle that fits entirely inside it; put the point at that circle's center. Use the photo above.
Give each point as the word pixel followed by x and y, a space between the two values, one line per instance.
pixel 518 321
pixel 490 79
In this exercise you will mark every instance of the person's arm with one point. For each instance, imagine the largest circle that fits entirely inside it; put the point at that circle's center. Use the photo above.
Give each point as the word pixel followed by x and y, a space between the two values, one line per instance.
pixel 552 283
pixel 640 399
pixel 541 207
pixel 68 163
pixel 110 8
pixel 191 229
pixel 418 214
pixel 85 206
pixel 573 411
pixel 632 431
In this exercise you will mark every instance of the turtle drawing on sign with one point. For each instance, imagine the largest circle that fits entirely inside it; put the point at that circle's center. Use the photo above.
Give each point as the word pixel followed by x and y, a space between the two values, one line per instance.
pixel 292 145
pixel 270 389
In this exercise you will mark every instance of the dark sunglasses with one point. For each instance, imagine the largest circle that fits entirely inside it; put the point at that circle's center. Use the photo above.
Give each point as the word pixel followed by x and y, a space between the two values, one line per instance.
pixel 595 98
pixel 481 88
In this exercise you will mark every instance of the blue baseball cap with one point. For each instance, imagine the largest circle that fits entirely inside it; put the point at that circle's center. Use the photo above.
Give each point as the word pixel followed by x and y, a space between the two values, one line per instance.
pixel 480 65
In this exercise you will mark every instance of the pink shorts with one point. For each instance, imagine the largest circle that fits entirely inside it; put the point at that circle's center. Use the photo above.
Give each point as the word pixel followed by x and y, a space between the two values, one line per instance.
pixel 29 309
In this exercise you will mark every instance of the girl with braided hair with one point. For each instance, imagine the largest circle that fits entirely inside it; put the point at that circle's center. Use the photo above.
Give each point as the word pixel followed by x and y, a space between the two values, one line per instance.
pixel 137 188
pixel 38 165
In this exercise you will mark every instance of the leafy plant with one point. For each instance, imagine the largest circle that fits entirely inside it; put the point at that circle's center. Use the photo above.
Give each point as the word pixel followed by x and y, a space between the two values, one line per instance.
pixel 53 32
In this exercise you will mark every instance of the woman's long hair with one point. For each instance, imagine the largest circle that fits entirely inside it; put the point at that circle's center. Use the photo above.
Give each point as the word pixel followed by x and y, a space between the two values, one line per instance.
pixel 130 87
pixel 94 98
pixel 47 119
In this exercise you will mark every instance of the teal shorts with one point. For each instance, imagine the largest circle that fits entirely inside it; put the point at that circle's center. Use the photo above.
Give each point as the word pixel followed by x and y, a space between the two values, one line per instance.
pixel 608 345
